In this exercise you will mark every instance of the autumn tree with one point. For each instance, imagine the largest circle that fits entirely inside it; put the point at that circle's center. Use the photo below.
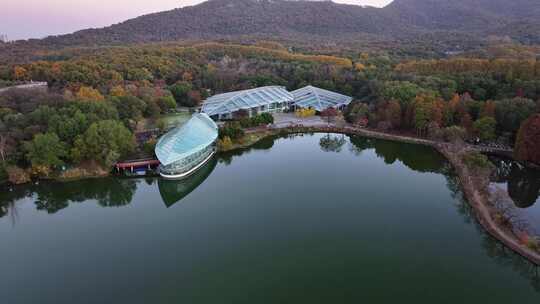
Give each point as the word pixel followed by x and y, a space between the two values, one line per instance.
pixel 89 94
pixel 20 73
pixel 390 112
pixel 329 113
pixel 527 147
pixel 488 110
pixel 356 111
pixel 427 109
pixel 117 91
pixel 194 98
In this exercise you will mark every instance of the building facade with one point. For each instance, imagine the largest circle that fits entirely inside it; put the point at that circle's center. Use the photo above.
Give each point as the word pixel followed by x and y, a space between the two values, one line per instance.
pixel 319 99
pixel 269 99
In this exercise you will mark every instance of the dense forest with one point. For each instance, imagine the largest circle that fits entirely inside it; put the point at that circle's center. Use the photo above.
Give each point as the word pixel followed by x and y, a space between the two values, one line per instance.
pixel 99 97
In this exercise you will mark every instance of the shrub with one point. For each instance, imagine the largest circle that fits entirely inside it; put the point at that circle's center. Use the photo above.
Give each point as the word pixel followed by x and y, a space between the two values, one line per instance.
pixel 476 160
pixel 305 112
pixel 267 118
pixel 454 134
pixel 485 128
pixel 258 120
pixel 225 143
pixel 356 111
pixel 149 146
pixel 233 130
pixel 533 243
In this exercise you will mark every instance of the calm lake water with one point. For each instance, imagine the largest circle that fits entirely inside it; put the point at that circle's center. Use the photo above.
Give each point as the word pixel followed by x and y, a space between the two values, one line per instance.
pixel 522 185
pixel 303 219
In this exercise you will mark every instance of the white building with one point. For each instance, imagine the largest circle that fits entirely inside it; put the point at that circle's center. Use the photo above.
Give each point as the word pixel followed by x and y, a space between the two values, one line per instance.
pixel 259 100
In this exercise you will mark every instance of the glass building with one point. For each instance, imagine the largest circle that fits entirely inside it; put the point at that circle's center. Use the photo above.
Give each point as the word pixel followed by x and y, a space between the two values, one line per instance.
pixel 185 149
pixel 269 99
pixel 319 99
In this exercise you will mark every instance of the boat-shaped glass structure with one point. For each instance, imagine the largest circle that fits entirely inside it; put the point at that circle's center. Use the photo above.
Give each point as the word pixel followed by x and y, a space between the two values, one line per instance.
pixel 319 99
pixel 259 100
pixel 186 148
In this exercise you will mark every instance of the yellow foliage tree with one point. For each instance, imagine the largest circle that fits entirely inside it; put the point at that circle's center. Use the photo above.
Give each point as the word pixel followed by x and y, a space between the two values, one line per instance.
pixel 118 91
pixel 87 93
pixel 20 73
pixel 359 67
pixel 305 112
pixel 225 143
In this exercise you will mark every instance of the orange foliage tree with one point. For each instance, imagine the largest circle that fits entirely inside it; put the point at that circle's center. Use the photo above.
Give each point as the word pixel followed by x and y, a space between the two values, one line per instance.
pixel 527 146
pixel 87 93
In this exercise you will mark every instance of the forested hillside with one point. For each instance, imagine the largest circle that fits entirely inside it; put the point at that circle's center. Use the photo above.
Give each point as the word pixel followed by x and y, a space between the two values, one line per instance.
pixel 438 24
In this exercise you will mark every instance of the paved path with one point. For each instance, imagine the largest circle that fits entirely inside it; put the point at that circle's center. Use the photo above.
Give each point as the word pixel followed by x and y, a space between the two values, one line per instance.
pixel 282 120
pixel 33 85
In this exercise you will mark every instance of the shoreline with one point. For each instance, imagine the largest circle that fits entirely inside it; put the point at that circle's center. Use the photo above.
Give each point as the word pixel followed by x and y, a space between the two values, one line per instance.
pixel 475 195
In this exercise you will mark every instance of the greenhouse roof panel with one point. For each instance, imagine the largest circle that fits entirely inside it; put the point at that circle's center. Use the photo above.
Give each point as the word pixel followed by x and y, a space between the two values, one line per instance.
pixel 234 101
pixel 319 99
pixel 195 135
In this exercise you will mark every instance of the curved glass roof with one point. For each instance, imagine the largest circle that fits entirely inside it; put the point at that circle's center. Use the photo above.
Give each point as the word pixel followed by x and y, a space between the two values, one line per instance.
pixel 319 99
pixel 195 135
pixel 234 101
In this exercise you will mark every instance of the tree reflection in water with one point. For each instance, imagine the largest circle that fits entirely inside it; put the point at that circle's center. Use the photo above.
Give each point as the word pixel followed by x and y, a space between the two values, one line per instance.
pixel 173 191
pixel 523 183
pixel 55 196
pixel 116 192
pixel 494 249
pixel 332 143
pixel 425 159
pixel 415 157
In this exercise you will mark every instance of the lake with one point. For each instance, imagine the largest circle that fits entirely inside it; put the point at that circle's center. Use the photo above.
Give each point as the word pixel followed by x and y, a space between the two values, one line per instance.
pixel 522 188
pixel 313 218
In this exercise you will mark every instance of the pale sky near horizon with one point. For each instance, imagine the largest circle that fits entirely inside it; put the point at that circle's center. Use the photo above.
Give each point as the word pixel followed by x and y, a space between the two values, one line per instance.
pixel 23 19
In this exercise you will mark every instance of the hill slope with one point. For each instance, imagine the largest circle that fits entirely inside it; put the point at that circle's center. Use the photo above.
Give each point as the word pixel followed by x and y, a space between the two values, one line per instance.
pixel 300 20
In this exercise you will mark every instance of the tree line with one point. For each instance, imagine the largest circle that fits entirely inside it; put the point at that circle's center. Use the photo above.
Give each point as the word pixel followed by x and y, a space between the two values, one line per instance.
pixel 120 88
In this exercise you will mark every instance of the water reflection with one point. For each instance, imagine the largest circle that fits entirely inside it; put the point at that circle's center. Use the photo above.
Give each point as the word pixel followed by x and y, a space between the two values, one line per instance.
pixel 492 247
pixel 52 197
pixel 415 157
pixel 523 183
pixel 115 192
pixel 332 143
pixel 173 191
pixel 264 144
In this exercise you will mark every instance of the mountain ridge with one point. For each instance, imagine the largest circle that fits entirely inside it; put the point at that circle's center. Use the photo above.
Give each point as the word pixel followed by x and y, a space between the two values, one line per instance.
pixel 401 19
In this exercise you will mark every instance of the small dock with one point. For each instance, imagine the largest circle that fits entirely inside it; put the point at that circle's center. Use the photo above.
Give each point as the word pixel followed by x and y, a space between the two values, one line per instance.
pixel 137 164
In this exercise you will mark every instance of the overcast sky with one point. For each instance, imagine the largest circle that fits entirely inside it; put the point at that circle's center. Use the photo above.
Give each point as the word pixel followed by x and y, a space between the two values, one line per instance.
pixel 23 19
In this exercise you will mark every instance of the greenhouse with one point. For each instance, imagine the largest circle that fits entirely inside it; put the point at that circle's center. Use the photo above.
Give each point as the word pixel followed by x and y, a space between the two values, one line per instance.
pixel 319 99
pixel 254 101
pixel 187 148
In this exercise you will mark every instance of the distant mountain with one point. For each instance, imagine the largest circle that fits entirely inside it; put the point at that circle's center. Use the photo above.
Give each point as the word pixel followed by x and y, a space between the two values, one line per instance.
pixel 465 15
pixel 231 18
pixel 401 19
